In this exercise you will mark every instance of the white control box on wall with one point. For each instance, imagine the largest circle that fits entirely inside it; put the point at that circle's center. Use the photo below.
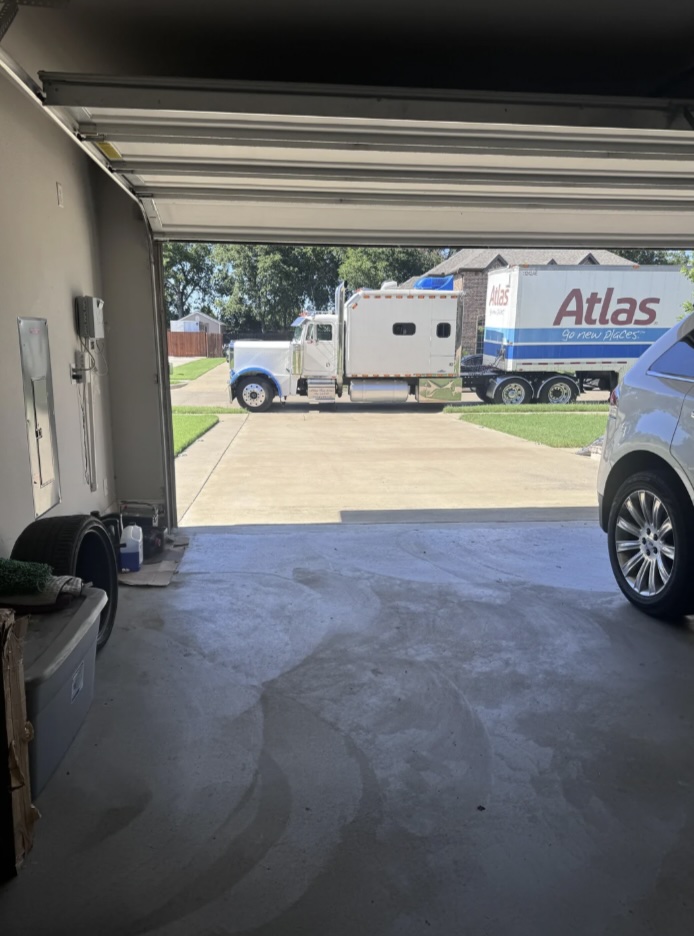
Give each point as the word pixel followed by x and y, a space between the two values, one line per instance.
pixel 90 317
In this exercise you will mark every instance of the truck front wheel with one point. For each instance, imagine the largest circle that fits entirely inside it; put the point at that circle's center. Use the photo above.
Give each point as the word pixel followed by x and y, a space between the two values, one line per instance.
pixel 255 393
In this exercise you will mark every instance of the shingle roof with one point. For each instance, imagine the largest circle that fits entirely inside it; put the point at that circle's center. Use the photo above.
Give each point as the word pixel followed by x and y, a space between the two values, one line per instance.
pixel 480 258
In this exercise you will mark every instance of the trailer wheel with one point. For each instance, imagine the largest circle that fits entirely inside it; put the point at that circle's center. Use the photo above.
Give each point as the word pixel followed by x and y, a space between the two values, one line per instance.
pixel 558 391
pixel 255 393
pixel 513 391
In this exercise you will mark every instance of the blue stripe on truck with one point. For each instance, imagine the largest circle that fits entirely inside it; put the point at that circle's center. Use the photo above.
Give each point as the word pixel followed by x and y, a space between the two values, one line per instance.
pixel 566 351
pixel 581 334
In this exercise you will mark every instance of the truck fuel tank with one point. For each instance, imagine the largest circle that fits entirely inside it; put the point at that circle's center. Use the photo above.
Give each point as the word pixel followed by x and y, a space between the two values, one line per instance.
pixel 379 391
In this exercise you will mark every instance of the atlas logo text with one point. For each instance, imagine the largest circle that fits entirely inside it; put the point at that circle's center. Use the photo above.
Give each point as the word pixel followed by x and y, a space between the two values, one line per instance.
pixel 595 309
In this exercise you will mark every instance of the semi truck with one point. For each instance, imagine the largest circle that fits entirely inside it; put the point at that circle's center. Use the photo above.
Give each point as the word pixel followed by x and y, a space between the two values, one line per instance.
pixel 378 346
pixel 551 332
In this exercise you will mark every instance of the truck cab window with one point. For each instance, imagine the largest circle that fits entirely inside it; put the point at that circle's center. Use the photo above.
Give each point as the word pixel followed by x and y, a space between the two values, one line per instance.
pixel 404 328
pixel 443 330
pixel 324 332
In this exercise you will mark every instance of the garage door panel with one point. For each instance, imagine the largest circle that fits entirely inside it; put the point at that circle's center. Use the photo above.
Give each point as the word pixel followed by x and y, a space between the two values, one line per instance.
pixel 381 166
pixel 270 221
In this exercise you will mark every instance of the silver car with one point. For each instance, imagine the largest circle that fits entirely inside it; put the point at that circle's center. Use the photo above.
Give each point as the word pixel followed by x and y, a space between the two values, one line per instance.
pixel 646 477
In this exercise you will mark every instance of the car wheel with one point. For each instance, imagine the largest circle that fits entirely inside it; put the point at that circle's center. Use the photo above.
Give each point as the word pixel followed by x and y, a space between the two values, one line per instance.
pixel 255 394
pixel 651 544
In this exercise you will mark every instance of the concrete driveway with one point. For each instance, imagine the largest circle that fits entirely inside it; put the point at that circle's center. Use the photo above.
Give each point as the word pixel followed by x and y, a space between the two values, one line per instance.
pixel 348 464
pixel 390 730
pixel 211 389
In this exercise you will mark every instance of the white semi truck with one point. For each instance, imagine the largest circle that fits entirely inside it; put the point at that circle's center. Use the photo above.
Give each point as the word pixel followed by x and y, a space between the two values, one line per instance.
pixel 551 332
pixel 381 346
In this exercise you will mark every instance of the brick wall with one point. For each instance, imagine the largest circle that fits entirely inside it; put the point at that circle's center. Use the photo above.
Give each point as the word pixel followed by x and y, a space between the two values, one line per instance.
pixel 474 283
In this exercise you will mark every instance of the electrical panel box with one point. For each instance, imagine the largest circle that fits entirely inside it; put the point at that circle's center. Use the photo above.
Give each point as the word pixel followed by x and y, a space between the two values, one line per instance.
pixel 90 317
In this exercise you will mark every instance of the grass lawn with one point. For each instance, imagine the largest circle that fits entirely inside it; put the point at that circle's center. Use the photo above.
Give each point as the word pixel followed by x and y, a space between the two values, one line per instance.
pixel 188 427
pixel 556 429
pixel 530 408
pixel 205 410
pixel 195 368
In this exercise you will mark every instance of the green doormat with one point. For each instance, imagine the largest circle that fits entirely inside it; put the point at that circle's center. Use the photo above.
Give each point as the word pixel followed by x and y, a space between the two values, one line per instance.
pixel 23 578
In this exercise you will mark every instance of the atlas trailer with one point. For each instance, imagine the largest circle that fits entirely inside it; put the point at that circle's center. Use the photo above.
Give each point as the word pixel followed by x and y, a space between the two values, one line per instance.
pixel 551 332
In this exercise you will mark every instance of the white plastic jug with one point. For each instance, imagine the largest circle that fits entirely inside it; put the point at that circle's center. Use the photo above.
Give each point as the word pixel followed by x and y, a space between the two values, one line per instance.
pixel 131 548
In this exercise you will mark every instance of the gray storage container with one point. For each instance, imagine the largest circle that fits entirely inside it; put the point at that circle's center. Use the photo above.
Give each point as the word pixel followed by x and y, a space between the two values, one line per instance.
pixel 59 662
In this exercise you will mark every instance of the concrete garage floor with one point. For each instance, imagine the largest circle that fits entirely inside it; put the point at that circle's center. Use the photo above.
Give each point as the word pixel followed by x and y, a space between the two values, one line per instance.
pixel 377 729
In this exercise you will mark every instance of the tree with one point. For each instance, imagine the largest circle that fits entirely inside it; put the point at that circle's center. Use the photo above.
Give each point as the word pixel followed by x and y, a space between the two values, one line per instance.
pixel 370 266
pixel 646 257
pixel 270 285
pixel 189 278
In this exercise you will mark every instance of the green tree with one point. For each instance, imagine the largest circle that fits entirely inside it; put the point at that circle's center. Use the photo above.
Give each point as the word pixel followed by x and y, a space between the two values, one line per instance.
pixel 368 267
pixel 189 278
pixel 269 285
pixel 645 257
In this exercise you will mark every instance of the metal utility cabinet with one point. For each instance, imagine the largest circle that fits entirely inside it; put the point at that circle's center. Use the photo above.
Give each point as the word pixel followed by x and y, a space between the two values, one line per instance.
pixel 40 418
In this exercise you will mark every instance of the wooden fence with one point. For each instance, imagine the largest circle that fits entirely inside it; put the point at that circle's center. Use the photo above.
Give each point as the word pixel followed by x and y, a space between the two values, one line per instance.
pixel 194 344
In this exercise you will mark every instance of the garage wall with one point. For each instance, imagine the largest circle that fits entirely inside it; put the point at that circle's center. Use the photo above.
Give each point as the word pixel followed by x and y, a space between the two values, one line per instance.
pixel 48 256
pixel 136 413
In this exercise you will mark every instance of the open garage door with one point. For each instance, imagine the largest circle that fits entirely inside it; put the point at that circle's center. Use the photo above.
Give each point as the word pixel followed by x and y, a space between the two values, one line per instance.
pixel 269 162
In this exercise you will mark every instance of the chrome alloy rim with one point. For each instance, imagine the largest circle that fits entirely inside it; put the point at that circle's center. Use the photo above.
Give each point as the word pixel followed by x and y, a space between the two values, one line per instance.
pixel 253 395
pixel 559 393
pixel 514 393
pixel 644 541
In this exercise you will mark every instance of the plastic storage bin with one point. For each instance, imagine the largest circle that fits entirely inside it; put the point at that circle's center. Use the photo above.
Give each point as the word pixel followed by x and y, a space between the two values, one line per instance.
pixel 59 662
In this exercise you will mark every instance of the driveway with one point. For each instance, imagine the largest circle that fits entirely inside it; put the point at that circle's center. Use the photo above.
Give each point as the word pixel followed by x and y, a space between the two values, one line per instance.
pixel 208 390
pixel 347 464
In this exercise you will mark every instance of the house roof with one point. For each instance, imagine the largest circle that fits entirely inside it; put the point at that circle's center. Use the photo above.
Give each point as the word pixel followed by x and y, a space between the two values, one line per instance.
pixel 197 315
pixel 480 258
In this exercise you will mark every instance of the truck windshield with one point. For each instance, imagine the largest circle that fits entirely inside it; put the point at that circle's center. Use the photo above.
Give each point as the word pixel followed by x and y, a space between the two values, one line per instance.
pixel 297 332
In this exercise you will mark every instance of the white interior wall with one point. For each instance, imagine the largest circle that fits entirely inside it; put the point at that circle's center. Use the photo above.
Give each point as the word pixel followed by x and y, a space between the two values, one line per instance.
pixel 48 256
pixel 134 377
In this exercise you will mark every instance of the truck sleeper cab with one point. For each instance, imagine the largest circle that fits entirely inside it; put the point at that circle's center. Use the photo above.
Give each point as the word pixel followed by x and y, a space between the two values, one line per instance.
pixel 382 346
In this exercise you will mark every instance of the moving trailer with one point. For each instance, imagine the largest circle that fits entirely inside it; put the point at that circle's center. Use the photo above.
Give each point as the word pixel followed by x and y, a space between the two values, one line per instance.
pixel 380 346
pixel 551 332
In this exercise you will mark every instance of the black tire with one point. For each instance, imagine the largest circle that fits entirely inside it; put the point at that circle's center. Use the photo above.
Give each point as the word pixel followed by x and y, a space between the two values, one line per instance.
pixel 559 391
pixel 673 598
pixel 513 391
pixel 482 394
pixel 75 545
pixel 263 395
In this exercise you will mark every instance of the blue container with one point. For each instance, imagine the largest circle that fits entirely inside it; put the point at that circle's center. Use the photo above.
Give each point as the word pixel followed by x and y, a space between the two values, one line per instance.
pixel 435 282
pixel 131 549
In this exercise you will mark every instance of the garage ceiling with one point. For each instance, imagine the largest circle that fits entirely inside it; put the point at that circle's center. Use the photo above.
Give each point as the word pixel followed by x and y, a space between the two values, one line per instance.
pixel 348 164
